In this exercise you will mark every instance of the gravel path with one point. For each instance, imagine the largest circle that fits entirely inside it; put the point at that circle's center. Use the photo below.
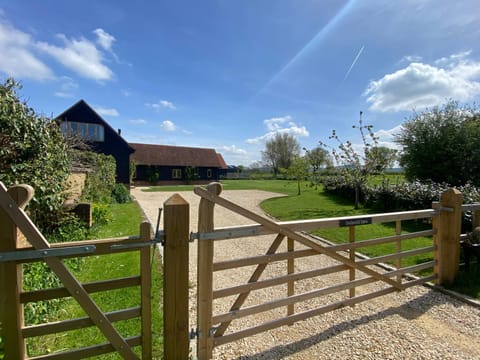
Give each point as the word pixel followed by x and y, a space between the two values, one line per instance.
pixel 418 323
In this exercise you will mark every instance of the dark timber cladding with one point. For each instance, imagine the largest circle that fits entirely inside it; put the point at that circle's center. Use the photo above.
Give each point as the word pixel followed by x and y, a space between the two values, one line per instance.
pixel 82 120
pixel 170 162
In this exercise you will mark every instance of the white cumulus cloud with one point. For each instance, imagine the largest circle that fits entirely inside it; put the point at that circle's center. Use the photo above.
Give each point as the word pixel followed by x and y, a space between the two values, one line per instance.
pixel 79 55
pixel 162 104
pixel 232 149
pixel 424 85
pixel 106 111
pixel 168 125
pixel 104 39
pixel 17 55
pixel 280 125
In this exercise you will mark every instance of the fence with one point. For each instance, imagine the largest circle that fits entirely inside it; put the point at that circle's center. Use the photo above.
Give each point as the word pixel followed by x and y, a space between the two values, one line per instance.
pixel 13 254
pixel 214 329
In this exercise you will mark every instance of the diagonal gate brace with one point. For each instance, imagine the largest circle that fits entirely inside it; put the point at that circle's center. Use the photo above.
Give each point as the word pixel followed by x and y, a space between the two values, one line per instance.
pixel 293 235
pixel 76 289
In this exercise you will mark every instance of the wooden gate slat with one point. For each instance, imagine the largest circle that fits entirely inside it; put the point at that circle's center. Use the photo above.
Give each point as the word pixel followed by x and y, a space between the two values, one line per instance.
pixel 292 234
pixel 39 242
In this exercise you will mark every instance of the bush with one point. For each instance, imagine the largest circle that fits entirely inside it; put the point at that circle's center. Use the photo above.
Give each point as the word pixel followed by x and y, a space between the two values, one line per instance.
pixel 33 151
pixel 101 179
pixel 100 214
pixel 120 194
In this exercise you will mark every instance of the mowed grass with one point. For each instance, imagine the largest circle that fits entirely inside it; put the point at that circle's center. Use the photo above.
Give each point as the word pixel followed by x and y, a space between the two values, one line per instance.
pixel 125 221
pixel 315 203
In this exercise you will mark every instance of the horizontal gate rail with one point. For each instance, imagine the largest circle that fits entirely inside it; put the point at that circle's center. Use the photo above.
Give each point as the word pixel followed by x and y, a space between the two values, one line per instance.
pixel 226 233
pixel 93 287
pixel 300 316
pixel 67 325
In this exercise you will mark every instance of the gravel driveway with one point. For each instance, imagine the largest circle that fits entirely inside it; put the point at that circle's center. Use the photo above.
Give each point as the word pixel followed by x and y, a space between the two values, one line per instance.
pixel 418 323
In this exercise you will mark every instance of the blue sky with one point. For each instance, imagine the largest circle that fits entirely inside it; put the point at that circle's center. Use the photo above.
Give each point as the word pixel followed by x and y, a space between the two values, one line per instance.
pixel 228 74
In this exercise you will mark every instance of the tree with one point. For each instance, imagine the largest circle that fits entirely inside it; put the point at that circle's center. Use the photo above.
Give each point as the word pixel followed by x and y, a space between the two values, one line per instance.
pixel 383 157
pixel 32 151
pixel 442 145
pixel 317 158
pixel 298 170
pixel 280 151
pixel 355 166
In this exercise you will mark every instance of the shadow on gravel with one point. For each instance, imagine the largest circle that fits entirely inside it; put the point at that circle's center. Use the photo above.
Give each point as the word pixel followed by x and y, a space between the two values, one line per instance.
pixel 410 311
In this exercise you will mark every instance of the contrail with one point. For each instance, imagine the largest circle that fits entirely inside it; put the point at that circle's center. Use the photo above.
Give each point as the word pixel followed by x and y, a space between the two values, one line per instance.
pixel 313 42
pixel 353 63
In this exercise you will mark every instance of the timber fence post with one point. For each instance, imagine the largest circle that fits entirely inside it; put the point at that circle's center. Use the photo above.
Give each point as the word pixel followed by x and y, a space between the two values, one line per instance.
pixel 175 288
pixel 11 310
pixel 447 228
pixel 205 276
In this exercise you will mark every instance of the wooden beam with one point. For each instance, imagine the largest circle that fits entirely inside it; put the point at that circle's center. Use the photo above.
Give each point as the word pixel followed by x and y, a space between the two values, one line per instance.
pixel 175 287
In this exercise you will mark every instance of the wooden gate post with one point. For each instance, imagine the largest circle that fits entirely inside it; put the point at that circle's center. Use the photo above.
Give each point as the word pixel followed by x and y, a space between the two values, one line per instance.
pixel 205 276
pixel 447 228
pixel 175 287
pixel 11 310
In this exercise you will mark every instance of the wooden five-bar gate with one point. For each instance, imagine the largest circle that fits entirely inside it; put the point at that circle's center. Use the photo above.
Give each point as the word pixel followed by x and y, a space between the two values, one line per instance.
pixel 216 325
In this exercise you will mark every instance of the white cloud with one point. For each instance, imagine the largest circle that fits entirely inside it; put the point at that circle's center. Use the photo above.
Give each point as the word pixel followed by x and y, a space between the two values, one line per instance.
pixel 161 104
pixel 104 39
pixel 423 85
pixel 168 125
pixel 106 111
pixel 79 55
pixel 280 125
pixel 138 121
pixel 17 57
pixel 231 149
pixel 410 58
pixel 386 137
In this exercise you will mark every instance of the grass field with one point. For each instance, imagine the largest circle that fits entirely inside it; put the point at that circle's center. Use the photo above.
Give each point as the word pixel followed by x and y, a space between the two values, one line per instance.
pixel 125 220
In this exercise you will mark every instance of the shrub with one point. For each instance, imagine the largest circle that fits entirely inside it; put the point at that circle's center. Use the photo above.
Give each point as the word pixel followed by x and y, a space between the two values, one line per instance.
pixel 33 151
pixel 101 178
pixel 100 214
pixel 120 194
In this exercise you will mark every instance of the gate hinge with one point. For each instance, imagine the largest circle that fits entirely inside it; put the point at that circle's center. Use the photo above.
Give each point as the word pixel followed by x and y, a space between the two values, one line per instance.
pixel 193 333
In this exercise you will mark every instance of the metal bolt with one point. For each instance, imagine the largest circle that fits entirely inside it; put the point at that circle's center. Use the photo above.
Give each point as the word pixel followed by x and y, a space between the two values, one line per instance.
pixel 10 206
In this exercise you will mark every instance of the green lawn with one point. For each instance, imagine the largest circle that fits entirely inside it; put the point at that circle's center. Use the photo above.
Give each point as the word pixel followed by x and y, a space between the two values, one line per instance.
pixel 125 220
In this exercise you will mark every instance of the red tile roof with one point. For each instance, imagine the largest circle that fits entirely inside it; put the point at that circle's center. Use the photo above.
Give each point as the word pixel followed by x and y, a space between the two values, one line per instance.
pixel 223 164
pixel 165 155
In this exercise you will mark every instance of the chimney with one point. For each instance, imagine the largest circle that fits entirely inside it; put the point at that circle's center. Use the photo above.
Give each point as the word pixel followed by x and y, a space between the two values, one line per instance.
pixel 119 131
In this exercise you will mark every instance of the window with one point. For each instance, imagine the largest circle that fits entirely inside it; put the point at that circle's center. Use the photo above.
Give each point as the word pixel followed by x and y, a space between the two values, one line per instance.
pixel 176 173
pixel 209 173
pixel 88 132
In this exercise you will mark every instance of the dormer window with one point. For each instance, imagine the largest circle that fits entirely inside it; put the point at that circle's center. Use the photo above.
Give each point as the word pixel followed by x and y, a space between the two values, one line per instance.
pixel 86 131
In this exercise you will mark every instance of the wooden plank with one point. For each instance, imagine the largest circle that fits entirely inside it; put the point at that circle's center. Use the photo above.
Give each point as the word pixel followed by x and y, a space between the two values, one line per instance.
pixel 93 287
pixel 447 237
pixel 289 233
pixel 67 325
pixel 267 306
pixel 315 224
pixel 290 270
pixel 351 255
pixel 145 290
pixel 250 286
pixel 403 254
pixel 11 310
pixel 205 275
pixel 262 259
pixel 175 285
pixel 253 279
pixel 300 316
pixel 87 352
pixel 78 292
pixel 398 231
